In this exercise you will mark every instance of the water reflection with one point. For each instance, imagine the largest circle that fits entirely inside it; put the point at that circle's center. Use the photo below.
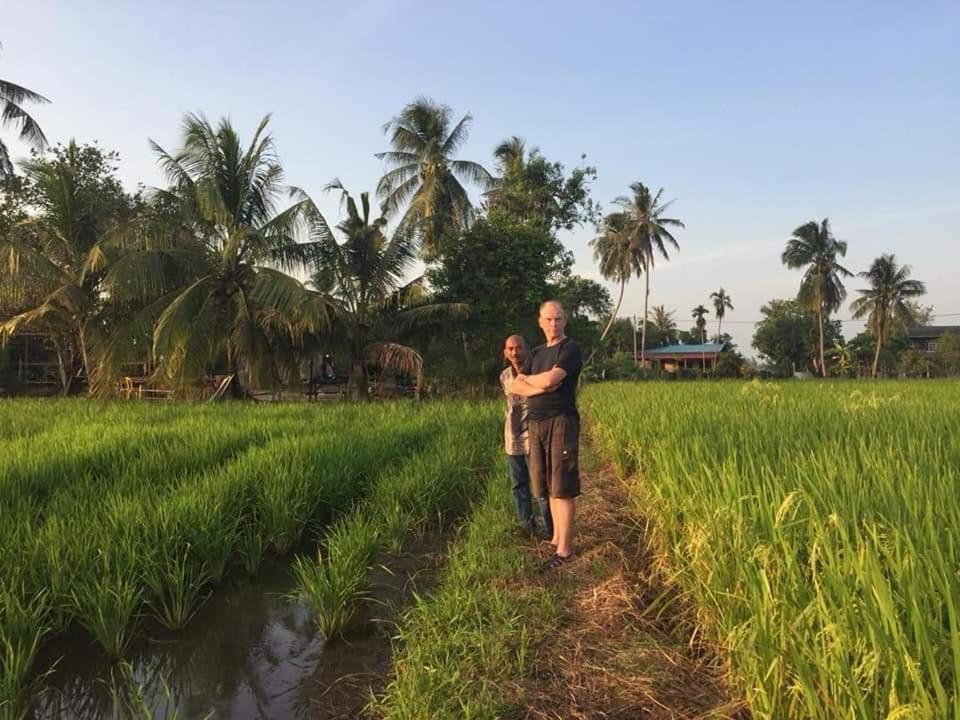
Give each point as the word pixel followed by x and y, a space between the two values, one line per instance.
pixel 246 654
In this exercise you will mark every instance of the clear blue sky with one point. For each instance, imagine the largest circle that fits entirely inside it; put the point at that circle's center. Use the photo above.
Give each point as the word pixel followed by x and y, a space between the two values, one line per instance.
pixel 755 116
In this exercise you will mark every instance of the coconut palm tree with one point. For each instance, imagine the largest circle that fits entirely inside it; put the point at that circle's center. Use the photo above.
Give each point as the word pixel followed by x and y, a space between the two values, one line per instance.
pixel 663 321
pixel 648 232
pixel 62 251
pixel 361 278
pixel 886 301
pixel 616 257
pixel 12 99
pixel 721 303
pixel 699 315
pixel 814 247
pixel 425 174
pixel 231 243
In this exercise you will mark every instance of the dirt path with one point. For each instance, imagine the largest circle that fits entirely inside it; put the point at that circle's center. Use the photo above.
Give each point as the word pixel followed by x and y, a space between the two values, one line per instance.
pixel 622 650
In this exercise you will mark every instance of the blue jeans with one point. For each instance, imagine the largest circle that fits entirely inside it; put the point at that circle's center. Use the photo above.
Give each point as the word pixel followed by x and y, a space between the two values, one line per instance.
pixel 519 470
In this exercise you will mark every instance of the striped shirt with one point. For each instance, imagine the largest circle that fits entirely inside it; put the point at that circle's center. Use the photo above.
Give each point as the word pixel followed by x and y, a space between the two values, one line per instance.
pixel 515 419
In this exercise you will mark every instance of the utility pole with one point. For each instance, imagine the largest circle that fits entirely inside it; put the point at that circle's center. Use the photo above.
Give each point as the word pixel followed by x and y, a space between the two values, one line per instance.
pixel 635 360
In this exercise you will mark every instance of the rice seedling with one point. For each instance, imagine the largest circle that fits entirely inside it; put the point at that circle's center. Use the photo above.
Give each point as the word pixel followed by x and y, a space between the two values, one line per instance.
pixel 147 512
pixel 334 585
pixel 23 625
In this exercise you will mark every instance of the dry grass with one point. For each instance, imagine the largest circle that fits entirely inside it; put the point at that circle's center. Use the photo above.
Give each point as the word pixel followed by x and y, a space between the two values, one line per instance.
pixel 624 646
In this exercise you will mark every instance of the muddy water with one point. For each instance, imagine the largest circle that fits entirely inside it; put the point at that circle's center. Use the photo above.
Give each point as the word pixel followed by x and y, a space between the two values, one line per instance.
pixel 250 652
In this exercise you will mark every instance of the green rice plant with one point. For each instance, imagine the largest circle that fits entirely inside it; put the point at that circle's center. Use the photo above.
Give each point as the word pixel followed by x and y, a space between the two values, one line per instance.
pixel 176 587
pixel 23 625
pixel 108 592
pixel 333 585
pixel 456 646
pixel 815 526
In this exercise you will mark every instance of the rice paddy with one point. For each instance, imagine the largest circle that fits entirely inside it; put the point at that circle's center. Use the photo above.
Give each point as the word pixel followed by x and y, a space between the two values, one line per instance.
pixel 811 530
pixel 116 513
pixel 815 527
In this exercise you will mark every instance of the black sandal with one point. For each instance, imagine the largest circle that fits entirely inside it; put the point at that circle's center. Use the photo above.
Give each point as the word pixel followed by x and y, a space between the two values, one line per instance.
pixel 555 562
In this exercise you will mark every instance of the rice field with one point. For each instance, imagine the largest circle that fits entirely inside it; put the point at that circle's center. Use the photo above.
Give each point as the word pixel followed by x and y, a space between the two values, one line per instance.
pixel 815 527
pixel 114 514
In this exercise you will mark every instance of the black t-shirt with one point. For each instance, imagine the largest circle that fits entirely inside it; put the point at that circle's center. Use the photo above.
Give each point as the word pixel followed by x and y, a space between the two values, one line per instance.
pixel 563 400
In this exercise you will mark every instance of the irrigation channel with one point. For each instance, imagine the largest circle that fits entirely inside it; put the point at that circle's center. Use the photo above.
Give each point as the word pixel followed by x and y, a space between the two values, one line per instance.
pixel 194 561
pixel 252 651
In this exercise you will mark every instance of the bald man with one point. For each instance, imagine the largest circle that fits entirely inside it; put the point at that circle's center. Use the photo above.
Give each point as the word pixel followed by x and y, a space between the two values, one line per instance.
pixel 550 385
pixel 516 442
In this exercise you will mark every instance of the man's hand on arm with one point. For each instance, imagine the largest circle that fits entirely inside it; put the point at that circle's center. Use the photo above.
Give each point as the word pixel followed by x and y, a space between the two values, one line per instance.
pixel 549 379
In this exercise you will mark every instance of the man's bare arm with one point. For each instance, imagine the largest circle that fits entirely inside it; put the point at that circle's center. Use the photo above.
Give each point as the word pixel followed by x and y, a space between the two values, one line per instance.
pixel 549 379
pixel 524 389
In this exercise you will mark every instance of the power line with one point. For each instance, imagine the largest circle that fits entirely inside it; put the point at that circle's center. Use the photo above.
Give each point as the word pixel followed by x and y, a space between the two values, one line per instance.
pixel 841 320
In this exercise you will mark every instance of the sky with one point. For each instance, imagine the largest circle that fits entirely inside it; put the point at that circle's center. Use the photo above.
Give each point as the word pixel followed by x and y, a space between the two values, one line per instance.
pixel 755 117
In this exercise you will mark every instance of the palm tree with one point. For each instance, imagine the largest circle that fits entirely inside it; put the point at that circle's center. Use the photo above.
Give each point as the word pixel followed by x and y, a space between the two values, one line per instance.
pixel 425 174
pixel 361 279
pixel 664 323
pixel 813 246
pixel 236 306
pixel 648 233
pixel 12 98
pixel 699 314
pixel 885 302
pixel 62 251
pixel 616 257
pixel 721 303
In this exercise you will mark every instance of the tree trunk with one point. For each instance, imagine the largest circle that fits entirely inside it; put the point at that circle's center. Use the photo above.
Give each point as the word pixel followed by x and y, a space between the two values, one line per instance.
pixel 876 355
pixel 81 326
pixel 643 333
pixel 719 325
pixel 358 373
pixel 613 315
pixel 823 365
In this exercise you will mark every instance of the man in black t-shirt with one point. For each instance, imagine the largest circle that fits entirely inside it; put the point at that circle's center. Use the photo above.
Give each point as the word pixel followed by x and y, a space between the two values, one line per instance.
pixel 550 386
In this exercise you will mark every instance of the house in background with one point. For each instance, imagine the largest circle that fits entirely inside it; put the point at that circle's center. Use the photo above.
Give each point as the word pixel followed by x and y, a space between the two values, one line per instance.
pixel 926 338
pixel 681 357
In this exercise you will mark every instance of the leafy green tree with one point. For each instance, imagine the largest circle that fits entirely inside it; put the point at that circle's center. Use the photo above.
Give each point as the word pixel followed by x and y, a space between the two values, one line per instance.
pixel 502 270
pixel 228 240
pixel 813 246
pixel 61 248
pixel 884 302
pixel 915 363
pixel 699 315
pixel 533 190
pixel 361 279
pixel 721 303
pixel 425 178
pixel 12 99
pixel 786 337
pixel 648 232
pixel 948 353
pixel 730 363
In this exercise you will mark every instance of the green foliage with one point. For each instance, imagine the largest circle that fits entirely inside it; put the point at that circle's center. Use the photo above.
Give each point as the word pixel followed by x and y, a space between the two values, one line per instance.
pixel 425 178
pixel 534 191
pixel 884 303
pixel 813 247
pixel 13 97
pixel 133 509
pixel 502 270
pixel 948 353
pixel 456 645
pixel 787 336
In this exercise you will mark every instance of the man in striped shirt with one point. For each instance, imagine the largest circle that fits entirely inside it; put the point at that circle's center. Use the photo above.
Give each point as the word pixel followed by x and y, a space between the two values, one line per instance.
pixel 516 442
